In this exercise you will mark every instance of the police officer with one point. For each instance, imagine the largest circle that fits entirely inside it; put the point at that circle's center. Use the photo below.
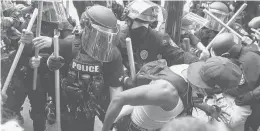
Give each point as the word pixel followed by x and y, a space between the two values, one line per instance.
pixel 148 44
pixel 207 33
pixel 22 80
pixel 93 69
pixel 247 93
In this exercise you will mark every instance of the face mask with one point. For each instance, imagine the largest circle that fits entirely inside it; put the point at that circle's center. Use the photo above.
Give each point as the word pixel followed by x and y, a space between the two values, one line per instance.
pixel 138 32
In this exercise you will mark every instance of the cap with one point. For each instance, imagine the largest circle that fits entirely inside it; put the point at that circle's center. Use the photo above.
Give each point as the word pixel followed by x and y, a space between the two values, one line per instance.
pixel 216 72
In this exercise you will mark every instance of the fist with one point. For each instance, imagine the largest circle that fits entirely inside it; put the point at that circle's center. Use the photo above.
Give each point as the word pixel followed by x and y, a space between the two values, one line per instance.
pixel 55 63
pixel 26 37
pixel 35 62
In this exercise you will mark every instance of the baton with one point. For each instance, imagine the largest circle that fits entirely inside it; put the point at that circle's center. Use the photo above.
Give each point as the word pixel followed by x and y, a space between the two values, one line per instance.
pixel 231 21
pixel 18 54
pixel 38 33
pixel 131 58
pixel 68 8
pixel 223 24
pixel 57 81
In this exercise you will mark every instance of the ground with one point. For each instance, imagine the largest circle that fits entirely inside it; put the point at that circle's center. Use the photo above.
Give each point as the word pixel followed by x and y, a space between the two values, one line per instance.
pixel 28 121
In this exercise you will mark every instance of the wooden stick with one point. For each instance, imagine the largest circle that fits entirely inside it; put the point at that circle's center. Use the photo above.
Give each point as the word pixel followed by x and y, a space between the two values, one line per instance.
pixel 57 84
pixel 131 58
pixel 231 21
pixel 18 55
pixel 38 33
pixel 222 23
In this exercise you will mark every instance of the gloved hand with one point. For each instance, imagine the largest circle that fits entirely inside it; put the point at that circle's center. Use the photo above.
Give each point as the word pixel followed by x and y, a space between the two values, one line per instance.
pixel 55 63
pixel 35 62
pixel 26 37
pixel 244 99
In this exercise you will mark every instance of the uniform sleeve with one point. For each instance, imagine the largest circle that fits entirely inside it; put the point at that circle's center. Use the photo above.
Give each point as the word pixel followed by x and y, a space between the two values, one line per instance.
pixel 114 70
pixel 174 54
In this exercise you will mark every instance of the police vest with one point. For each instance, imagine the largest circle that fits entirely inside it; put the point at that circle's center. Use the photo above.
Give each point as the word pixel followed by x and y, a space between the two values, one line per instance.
pixel 85 72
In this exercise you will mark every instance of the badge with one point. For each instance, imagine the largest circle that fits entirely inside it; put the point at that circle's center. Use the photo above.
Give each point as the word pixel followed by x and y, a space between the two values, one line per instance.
pixel 159 56
pixel 144 54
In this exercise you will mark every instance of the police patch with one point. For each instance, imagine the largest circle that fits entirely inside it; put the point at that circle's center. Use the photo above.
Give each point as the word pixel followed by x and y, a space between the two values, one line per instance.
pixel 91 68
pixel 144 54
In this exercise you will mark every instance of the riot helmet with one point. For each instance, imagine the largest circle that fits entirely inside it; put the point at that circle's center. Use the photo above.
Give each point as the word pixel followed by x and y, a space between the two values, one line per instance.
pixel 226 45
pixel 142 10
pixel 99 32
pixel 221 11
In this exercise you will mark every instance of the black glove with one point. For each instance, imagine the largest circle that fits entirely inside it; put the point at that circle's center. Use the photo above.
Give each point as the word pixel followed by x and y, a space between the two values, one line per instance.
pixel 55 63
pixel 244 99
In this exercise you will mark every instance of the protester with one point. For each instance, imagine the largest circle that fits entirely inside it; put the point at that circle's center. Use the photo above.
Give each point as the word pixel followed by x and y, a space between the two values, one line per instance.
pixel 152 104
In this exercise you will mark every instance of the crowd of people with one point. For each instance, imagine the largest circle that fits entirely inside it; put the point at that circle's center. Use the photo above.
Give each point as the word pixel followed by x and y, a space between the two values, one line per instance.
pixel 211 83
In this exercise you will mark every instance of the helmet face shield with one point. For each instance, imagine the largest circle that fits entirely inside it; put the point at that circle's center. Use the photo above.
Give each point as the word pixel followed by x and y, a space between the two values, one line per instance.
pixel 53 12
pixel 213 24
pixel 99 42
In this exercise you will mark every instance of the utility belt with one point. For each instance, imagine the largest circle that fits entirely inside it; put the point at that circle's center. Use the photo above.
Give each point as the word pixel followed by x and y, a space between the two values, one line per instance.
pixel 83 93
pixel 126 124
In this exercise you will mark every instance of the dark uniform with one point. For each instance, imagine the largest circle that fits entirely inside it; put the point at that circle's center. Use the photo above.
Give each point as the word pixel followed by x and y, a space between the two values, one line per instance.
pixel 153 46
pixel 89 71
pixel 21 84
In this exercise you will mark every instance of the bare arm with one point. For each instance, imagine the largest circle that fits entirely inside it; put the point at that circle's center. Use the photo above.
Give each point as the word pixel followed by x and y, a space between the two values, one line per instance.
pixel 160 93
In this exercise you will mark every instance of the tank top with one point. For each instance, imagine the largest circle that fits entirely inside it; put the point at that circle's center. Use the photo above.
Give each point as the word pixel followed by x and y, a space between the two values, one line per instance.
pixel 154 117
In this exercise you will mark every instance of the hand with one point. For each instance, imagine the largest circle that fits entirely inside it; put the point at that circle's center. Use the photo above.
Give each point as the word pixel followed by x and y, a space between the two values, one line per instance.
pixel 204 55
pixel 42 42
pixel 26 37
pixel 35 62
pixel 256 33
pixel 246 40
pixel 7 22
pixel 217 113
pixel 55 63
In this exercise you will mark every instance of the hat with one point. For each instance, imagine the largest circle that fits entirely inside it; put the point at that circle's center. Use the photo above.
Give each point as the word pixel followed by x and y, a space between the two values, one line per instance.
pixel 216 71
